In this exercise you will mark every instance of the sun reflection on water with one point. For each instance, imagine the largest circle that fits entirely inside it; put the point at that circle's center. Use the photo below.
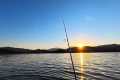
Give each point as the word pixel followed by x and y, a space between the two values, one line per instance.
pixel 81 66
pixel 81 59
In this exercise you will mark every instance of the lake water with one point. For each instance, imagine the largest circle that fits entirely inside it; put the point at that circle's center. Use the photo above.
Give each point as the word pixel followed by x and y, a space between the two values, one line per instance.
pixel 89 66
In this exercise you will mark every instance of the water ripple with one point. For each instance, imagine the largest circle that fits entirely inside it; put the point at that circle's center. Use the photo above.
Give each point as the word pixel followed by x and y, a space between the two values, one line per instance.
pixel 58 67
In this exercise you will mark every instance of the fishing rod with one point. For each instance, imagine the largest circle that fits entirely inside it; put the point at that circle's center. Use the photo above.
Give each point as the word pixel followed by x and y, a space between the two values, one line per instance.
pixel 69 50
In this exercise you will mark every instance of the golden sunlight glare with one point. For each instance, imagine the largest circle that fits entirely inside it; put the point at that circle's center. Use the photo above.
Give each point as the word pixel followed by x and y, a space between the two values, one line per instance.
pixel 81 46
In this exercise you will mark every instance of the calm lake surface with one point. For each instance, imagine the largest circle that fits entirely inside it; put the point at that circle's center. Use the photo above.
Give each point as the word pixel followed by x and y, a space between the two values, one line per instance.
pixel 89 66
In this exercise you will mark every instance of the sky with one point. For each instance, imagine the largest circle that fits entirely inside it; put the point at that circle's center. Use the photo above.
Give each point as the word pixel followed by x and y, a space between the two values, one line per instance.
pixel 38 23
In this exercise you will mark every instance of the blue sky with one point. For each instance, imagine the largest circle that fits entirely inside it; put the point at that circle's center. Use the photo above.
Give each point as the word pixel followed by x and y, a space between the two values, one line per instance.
pixel 38 24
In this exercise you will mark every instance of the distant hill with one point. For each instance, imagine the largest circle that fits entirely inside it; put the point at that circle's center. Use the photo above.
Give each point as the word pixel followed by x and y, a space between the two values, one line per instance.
pixel 103 48
pixel 100 48
pixel 13 50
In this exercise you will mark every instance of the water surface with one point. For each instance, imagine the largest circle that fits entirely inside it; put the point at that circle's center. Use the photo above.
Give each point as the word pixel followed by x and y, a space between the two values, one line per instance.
pixel 89 66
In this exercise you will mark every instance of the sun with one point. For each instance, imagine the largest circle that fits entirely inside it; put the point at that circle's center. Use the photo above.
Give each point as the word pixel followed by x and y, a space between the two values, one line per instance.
pixel 81 46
